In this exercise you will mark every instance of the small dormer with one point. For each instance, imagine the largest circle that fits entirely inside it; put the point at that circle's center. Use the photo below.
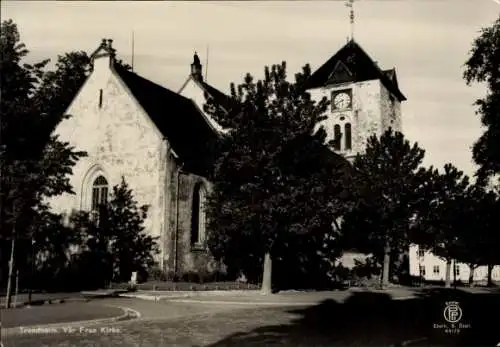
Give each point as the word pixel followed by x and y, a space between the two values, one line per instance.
pixel 103 56
pixel 196 68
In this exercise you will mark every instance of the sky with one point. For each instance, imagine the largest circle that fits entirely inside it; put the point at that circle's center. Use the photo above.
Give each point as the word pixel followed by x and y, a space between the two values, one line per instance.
pixel 427 41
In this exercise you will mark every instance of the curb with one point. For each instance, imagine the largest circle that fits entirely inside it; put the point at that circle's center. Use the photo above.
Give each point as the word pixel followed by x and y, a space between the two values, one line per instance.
pixel 247 303
pixel 185 298
pixel 56 328
pixel 168 295
pixel 154 298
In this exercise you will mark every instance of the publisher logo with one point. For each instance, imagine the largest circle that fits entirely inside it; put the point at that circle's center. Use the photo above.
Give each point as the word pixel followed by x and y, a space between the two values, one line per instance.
pixel 452 312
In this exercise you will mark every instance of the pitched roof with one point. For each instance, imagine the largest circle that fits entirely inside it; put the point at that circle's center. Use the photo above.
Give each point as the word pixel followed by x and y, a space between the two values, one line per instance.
pixel 177 118
pixel 352 64
pixel 219 97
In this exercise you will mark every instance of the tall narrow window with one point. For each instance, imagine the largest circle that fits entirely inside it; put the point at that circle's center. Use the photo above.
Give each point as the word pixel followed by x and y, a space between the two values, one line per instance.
pixel 100 98
pixel 198 216
pixel 337 137
pixel 348 137
pixel 422 270
pixel 99 193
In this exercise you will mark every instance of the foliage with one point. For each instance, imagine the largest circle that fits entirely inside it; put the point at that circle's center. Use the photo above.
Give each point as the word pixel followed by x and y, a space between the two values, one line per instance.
pixel 276 184
pixel 88 252
pixel 35 164
pixel 483 66
pixel 444 222
pixel 387 189
pixel 121 234
pixel 482 238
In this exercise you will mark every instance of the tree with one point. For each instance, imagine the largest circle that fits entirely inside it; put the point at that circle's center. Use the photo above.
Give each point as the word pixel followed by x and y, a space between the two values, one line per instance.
pixel 122 222
pixel 487 226
pixel 34 164
pixel 113 243
pixel 387 193
pixel 469 247
pixel 483 66
pixel 446 221
pixel 275 180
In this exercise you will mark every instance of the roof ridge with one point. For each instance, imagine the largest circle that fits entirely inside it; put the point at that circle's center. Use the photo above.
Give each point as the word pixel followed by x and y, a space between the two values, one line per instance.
pixel 149 81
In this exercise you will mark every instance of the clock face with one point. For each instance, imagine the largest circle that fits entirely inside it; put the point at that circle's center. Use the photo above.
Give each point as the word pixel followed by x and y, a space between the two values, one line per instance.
pixel 342 101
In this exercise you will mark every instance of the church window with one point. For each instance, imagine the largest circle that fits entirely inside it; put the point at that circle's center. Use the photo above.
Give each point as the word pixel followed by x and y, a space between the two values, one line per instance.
pixel 100 98
pixel 99 193
pixel 337 137
pixel 198 216
pixel 422 270
pixel 348 137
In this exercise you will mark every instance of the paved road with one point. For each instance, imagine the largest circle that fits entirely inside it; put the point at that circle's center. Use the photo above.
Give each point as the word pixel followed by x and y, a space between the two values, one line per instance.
pixel 43 296
pixel 331 319
pixel 60 313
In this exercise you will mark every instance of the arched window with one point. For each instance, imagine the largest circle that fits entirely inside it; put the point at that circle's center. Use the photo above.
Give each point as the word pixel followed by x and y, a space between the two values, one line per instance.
pixel 337 135
pixel 348 137
pixel 198 216
pixel 99 193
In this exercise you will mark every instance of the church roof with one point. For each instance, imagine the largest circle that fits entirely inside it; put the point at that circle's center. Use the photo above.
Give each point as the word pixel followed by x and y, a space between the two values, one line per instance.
pixel 177 118
pixel 219 97
pixel 352 64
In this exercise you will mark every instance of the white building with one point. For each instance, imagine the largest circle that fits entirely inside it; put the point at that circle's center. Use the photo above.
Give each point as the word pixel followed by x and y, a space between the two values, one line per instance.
pixel 430 267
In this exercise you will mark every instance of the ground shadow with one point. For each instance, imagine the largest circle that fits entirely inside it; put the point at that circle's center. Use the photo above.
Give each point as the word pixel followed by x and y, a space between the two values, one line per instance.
pixel 375 319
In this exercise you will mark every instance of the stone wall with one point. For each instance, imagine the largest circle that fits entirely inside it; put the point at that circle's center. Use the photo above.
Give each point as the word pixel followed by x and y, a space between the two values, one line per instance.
pixel 367 120
pixel 121 141
pixel 390 110
pixel 365 115
pixel 182 256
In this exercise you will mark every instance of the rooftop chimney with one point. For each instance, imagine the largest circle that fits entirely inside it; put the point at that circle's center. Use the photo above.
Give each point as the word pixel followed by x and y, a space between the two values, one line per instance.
pixel 105 50
pixel 196 68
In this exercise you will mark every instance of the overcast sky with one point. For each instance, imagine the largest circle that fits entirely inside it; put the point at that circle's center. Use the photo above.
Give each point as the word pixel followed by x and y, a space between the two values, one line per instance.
pixel 427 41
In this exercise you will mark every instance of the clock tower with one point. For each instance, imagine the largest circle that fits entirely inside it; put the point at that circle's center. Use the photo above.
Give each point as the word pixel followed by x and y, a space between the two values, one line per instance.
pixel 364 99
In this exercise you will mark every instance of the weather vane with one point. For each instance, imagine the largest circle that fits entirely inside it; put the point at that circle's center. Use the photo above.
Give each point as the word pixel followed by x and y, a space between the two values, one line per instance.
pixel 350 4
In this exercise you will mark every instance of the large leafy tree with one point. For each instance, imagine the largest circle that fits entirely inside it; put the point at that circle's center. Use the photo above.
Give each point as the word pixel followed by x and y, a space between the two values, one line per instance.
pixel 35 165
pixel 387 192
pixel 276 183
pixel 483 66
pixel 487 227
pixel 446 221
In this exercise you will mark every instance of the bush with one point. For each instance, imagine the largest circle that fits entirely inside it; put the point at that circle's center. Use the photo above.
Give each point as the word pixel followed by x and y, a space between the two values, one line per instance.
pixel 155 273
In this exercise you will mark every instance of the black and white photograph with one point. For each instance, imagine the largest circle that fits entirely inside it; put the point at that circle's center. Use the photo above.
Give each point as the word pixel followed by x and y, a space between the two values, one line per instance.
pixel 250 173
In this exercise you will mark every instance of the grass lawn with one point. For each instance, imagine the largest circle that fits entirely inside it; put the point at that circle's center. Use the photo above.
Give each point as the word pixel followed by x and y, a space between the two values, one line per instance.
pixel 364 319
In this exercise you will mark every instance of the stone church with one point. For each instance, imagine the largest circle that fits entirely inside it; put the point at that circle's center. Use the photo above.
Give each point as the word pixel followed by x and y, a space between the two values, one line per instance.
pixel 157 140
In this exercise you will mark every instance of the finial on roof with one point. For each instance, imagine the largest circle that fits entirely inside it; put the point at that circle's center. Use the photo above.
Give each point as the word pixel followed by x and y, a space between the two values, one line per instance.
pixel 103 43
pixel 110 43
pixel 196 59
pixel 350 4
pixel 196 68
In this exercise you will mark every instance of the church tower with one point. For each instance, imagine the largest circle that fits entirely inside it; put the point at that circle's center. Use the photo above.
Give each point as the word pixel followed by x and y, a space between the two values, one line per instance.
pixel 364 99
